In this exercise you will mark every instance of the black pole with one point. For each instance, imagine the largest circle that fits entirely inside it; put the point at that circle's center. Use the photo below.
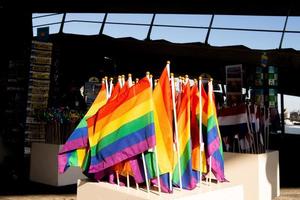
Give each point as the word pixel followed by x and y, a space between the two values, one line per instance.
pixel 283 31
pixel 209 28
pixel 62 24
pixel 103 24
pixel 150 27
pixel 281 93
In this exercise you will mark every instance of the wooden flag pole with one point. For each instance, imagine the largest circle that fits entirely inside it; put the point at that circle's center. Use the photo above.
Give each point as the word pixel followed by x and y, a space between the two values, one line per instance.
pixel 176 130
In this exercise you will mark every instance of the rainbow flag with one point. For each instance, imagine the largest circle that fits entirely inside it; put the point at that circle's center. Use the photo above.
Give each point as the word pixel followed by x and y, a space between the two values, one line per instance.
pixel 163 118
pixel 213 138
pixel 115 92
pixel 163 122
pixel 188 176
pixel 75 151
pixel 195 113
pixel 123 128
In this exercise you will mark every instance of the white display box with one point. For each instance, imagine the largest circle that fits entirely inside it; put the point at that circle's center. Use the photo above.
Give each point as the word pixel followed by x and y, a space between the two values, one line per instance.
pixel 101 190
pixel 258 173
pixel 44 166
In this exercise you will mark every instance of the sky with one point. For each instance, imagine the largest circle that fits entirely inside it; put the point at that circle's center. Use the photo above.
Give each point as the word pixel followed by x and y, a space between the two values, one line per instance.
pixel 254 40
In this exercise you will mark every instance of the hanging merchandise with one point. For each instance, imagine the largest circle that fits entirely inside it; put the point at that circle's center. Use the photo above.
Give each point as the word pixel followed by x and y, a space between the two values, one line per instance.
pixel 272 81
pixel 272 76
pixel 234 84
pixel 259 76
pixel 272 98
pixel 259 97
pixel 38 91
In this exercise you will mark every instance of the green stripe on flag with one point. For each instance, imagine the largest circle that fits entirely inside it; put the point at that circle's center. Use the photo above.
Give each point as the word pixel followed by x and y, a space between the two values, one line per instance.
pixel 123 131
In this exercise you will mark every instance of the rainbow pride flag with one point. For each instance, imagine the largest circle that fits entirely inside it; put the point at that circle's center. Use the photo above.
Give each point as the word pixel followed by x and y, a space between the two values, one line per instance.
pixel 75 151
pixel 213 138
pixel 123 128
pixel 195 133
pixel 188 176
pixel 163 118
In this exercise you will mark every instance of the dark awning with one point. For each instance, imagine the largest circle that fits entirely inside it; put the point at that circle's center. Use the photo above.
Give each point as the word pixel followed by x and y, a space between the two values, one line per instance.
pixel 232 7
pixel 84 54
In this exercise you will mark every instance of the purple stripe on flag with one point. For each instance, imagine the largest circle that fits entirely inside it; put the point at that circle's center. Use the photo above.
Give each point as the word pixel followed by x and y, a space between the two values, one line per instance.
pixel 213 146
pixel 218 166
pixel 164 182
pixel 62 163
pixel 122 143
pixel 137 169
pixel 74 144
pixel 124 154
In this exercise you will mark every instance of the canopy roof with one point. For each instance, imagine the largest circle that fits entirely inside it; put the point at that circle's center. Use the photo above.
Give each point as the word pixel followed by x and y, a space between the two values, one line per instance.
pixel 230 7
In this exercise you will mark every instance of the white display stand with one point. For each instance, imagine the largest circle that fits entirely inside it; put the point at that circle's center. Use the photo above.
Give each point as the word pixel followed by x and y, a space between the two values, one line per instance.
pixel 258 173
pixel 44 166
pixel 101 190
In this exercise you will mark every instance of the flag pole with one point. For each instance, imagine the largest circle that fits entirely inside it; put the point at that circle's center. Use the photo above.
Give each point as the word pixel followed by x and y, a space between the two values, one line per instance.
pixel 170 173
pixel 106 86
pixel 122 80
pixel 200 129
pixel 127 177
pixel 111 85
pixel 151 80
pixel 118 178
pixel 209 171
pixel 145 171
pixel 157 169
pixel 149 76
pixel 209 100
pixel 176 129
pixel 129 80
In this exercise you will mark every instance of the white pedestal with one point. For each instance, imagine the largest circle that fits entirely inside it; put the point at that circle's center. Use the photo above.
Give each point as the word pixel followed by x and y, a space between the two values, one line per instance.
pixel 258 173
pixel 44 166
pixel 99 191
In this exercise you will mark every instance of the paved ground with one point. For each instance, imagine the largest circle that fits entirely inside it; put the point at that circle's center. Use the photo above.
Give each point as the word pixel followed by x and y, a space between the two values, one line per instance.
pixel 289 194
pixel 286 194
